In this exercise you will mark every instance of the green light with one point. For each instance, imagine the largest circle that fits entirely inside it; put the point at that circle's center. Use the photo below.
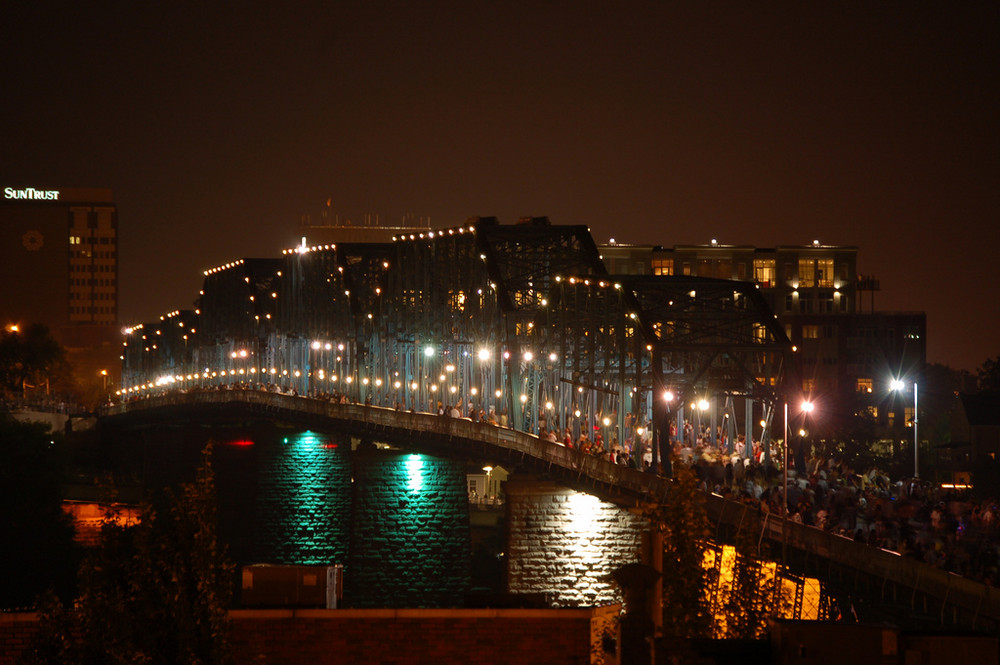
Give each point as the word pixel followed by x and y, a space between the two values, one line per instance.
pixel 414 475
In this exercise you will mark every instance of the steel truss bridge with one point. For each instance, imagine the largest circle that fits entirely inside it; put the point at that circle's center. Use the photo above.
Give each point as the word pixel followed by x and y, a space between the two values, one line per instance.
pixel 520 320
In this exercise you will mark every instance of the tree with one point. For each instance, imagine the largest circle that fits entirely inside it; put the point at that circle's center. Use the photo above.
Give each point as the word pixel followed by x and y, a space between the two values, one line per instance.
pixel 683 520
pixel 156 592
pixel 31 359
pixel 709 591
pixel 989 374
pixel 37 550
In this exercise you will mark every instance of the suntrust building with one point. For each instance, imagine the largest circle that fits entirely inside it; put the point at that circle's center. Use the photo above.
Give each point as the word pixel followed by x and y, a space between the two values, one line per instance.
pixel 60 262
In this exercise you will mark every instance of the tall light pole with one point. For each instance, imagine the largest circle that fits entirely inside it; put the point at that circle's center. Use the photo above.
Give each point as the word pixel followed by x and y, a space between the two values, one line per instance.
pixel 916 440
pixel 784 494
pixel 897 385
pixel 807 408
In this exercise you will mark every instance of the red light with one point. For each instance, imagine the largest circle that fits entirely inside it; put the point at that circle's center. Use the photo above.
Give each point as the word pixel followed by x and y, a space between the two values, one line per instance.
pixel 241 443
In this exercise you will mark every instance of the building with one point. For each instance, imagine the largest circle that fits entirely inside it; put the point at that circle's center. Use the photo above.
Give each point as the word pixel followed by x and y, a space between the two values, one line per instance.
pixel 64 244
pixel 334 228
pixel 60 262
pixel 975 440
pixel 847 353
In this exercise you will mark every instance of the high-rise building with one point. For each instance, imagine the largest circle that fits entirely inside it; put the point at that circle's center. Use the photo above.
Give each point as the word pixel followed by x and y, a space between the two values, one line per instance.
pixel 60 262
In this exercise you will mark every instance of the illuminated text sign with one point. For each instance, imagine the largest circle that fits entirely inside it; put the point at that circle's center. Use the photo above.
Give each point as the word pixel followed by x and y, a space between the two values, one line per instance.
pixel 31 194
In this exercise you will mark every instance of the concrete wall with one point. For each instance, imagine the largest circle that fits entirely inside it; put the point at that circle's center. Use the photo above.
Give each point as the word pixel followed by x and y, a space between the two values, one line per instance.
pixel 565 544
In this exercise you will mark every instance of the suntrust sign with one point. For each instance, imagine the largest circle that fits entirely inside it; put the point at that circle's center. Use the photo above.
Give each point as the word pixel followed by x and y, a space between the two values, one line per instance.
pixel 30 194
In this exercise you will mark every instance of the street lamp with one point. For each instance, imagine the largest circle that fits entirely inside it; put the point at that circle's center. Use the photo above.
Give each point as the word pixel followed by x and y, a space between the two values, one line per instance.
pixel 807 408
pixel 896 385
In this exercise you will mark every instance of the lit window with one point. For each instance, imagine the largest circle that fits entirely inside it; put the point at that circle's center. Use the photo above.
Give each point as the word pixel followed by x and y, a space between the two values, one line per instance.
pixel 807 273
pixel 824 273
pixel 663 266
pixel 763 272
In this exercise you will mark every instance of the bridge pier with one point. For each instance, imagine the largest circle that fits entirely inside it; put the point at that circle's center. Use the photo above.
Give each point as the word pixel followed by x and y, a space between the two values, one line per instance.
pixel 409 544
pixel 565 544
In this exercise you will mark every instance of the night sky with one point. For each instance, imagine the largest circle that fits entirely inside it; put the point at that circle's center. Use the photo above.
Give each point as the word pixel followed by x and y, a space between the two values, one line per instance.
pixel 217 125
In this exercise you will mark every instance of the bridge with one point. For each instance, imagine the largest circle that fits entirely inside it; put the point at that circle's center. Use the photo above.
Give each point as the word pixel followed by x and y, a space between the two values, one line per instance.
pixel 518 320
pixel 890 587
pixel 523 324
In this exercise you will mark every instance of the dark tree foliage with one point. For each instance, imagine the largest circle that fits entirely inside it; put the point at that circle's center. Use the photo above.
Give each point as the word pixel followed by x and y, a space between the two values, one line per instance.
pixel 683 520
pixel 36 549
pixel 156 592
pixel 989 374
pixel 31 358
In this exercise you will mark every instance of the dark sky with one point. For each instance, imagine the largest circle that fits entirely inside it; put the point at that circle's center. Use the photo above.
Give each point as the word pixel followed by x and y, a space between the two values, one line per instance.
pixel 218 124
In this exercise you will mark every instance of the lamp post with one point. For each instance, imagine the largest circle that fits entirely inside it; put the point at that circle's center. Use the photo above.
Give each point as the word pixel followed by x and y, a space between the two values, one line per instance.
pixel 916 440
pixel 897 385
pixel 807 408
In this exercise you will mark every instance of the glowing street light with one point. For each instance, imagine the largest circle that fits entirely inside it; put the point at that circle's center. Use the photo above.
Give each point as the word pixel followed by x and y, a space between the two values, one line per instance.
pixel 896 385
pixel 807 407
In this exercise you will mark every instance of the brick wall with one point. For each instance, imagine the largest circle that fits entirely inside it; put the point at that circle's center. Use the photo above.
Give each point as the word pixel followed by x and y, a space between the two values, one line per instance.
pixel 16 631
pixel 410 532
pixel 306 637
pixel 565 544
pixel 303 500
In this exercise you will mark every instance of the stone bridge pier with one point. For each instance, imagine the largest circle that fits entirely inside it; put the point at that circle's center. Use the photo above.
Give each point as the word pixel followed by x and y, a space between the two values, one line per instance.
pixel 565 544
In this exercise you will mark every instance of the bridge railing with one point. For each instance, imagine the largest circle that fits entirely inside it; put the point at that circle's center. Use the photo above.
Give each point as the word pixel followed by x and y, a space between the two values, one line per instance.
pixel 414 426
pixel 978 603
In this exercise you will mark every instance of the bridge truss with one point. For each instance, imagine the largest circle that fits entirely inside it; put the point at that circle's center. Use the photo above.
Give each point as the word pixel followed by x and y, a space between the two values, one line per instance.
pixel 519 321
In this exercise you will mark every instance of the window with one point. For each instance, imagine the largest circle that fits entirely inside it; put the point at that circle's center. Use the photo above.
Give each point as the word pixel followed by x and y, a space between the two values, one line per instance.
pixel 789 302
pixel 805 304
pixel 663 266
pixel 687 268
pixel 824 273
pixel 808 386
pixel 810 332
pixel 763 272
pixel 807 273
pixel 741 272
pixel 826 302
pixel 865 385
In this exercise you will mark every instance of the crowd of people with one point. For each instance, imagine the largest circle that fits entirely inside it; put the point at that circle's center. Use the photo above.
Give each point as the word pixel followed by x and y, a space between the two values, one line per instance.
pixel 943 527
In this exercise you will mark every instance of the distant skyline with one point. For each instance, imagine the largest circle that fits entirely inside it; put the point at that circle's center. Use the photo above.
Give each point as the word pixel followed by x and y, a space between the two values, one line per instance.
pixel 867 124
